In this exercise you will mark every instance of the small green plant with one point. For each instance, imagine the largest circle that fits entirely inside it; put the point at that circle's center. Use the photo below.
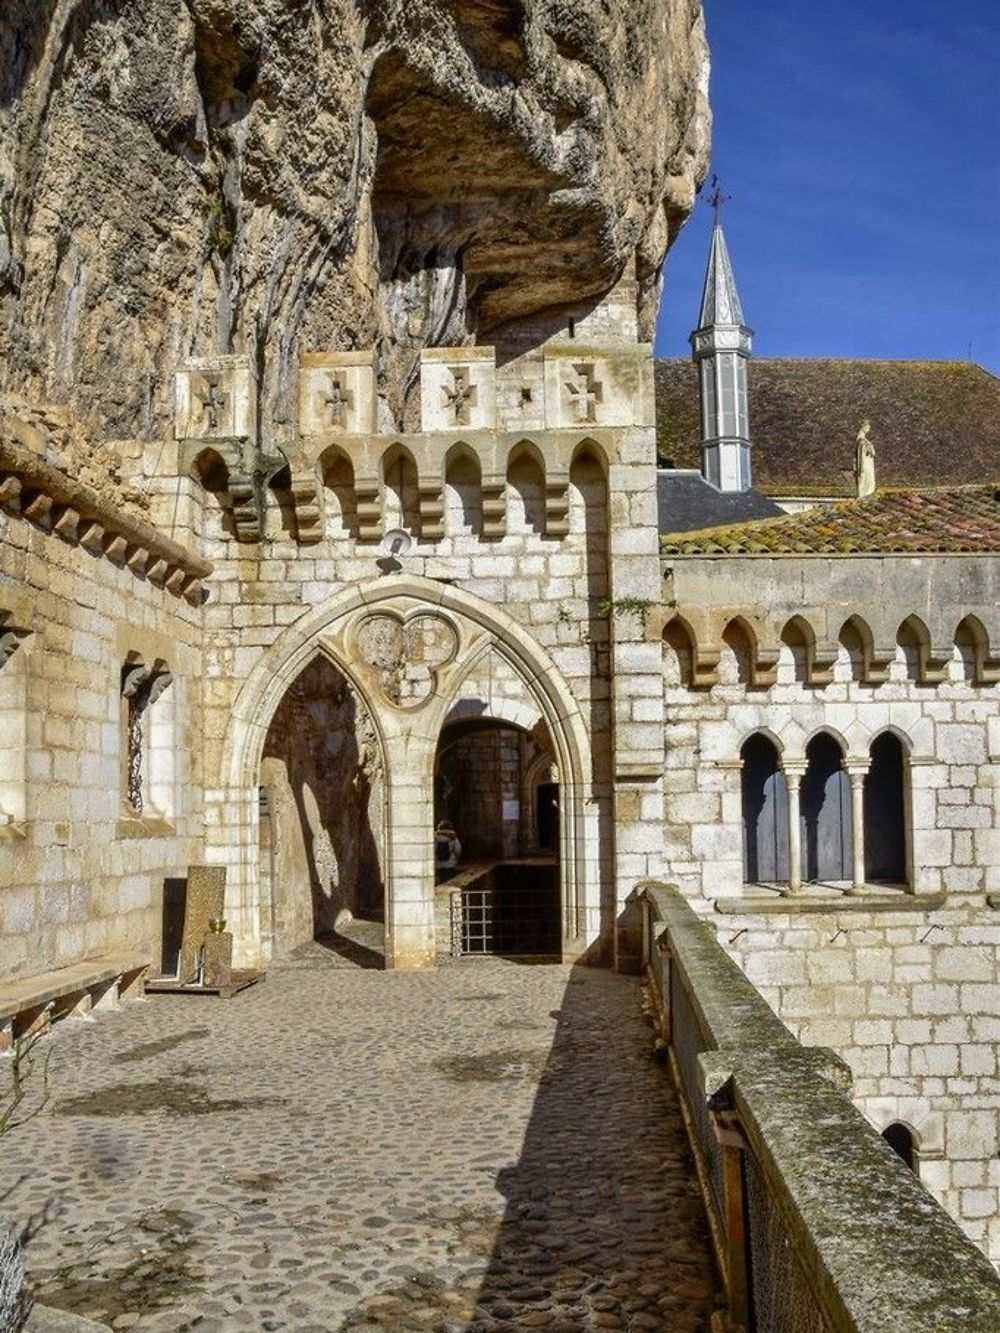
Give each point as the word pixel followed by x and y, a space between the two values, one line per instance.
pixel 221 224
pixel 627 606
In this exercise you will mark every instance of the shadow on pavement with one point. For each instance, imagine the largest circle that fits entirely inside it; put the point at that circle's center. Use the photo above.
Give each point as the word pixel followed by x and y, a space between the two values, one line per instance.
pixel 604 1225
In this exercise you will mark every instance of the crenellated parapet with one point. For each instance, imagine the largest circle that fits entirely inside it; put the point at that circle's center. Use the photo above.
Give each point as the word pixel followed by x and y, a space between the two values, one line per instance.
pixel 530 409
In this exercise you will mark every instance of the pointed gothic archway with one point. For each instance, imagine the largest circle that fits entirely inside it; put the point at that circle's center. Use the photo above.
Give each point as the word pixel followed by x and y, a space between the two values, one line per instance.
pixel 407 712
pixel 322 834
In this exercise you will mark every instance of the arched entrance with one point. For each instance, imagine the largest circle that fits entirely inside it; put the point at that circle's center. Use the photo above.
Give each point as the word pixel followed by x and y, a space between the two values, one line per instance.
pixel 409 649
pixel 496 785
pixel 322 817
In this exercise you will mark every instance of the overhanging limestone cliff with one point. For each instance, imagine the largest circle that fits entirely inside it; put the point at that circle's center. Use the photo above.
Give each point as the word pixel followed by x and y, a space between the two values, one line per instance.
pixel 183 177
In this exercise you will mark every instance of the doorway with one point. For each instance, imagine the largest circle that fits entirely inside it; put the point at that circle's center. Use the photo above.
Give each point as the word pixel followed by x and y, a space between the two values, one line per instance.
pixel 321 792
pixel 497 789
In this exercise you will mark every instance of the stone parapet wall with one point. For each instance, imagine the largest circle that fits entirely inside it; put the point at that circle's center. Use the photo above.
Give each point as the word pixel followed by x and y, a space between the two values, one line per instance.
pixel 838 1233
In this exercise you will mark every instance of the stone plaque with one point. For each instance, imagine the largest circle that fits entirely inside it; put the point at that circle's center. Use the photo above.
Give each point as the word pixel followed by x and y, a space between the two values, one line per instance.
pixel 337 393
pixel 457 389
pixel 216 399
pixel 206 895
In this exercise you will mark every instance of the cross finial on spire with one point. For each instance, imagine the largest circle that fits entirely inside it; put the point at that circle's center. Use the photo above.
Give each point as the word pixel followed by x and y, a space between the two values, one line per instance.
pixel 716 199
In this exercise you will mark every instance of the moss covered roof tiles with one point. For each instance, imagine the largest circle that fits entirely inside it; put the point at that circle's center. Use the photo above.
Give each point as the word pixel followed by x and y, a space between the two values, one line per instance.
pixel 942 520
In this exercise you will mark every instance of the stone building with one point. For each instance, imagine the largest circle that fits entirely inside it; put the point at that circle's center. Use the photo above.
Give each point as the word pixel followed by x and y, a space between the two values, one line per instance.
pixel 293 653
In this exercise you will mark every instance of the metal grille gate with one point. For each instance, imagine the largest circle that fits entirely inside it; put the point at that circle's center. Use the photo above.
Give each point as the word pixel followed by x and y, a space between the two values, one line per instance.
pixel 513 910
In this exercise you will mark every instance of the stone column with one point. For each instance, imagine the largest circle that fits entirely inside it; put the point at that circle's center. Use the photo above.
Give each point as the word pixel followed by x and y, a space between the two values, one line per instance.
pixel 794 773
pixel 856 770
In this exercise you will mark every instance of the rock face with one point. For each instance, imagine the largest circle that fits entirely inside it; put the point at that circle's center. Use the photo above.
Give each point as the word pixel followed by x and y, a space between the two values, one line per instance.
pixel 183 177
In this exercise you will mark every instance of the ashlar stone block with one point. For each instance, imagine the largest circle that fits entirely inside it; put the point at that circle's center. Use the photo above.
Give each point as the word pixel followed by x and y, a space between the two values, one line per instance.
pixel 457 388
pixel 215 398
pixel 587 386
pixel 337 393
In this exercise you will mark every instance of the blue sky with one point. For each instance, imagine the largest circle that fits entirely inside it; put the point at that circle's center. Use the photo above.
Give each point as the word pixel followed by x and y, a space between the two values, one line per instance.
pixel 860 142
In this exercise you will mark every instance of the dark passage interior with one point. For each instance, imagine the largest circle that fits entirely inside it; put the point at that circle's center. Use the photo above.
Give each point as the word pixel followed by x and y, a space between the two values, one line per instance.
pixel 497 793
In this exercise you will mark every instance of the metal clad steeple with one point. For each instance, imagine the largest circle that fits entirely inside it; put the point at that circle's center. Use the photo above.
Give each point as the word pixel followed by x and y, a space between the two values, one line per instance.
pixel 721 347
pixel 720 302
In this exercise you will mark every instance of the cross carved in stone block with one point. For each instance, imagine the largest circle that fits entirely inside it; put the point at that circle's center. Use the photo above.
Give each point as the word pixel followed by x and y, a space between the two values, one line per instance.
pixel 339 399
pixel 585 392
pixel 462 396
pixel 213 400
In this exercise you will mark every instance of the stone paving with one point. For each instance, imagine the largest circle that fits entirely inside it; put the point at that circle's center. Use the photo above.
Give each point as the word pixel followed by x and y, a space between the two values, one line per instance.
pixel 486 1146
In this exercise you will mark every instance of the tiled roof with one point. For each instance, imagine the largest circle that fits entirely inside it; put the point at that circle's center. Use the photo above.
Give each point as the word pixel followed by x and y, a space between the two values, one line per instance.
pixel 938 521
pixel 934 423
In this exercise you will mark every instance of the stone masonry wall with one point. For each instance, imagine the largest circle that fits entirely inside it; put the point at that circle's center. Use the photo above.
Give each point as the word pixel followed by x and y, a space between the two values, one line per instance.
pixel 80 875
pixel 529 489
pixel 951 731
pixel 552 587
pixel 909 993
pixel 912 1002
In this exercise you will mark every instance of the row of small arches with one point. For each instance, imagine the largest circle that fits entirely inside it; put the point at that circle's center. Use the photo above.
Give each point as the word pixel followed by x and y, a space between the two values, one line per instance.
pixel 826 813
pixel 528 495
pixel 857 653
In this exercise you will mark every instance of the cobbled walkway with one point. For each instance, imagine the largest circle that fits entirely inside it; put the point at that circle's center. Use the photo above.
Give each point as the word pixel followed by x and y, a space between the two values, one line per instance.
pixel 486 1146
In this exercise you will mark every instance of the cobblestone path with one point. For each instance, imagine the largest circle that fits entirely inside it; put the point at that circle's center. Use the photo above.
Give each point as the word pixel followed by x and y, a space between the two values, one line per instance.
pixel 488 1146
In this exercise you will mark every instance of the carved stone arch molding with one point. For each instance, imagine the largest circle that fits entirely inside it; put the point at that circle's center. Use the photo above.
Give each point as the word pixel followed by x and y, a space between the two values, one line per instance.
pixel 413 638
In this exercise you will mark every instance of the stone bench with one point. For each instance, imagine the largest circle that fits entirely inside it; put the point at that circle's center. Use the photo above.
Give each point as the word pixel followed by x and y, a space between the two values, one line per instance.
pixel 30 1004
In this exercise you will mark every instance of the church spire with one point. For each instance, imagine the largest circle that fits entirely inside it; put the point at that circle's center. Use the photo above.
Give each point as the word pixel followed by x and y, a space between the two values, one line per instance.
pixel 721 348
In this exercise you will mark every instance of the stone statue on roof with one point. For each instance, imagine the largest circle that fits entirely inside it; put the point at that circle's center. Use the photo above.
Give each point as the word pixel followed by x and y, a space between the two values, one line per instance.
pixel 864 462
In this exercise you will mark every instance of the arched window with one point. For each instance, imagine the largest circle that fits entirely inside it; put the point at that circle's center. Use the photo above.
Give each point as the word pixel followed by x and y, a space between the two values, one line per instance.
pixel 900 1139
pixel 885 812
pixel 827 830
pixel 765 813
pixel 147 752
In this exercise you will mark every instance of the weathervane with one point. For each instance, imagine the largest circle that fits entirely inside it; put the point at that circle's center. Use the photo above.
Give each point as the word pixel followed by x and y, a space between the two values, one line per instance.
pixel 716 199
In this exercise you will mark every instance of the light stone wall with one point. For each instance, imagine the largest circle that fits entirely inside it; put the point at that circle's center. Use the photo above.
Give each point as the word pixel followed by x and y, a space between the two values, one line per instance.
pixel 950 733
pixel 912 1003
pixel 911 999
pixel 551 587
pixel 80 876
pixel 529 546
